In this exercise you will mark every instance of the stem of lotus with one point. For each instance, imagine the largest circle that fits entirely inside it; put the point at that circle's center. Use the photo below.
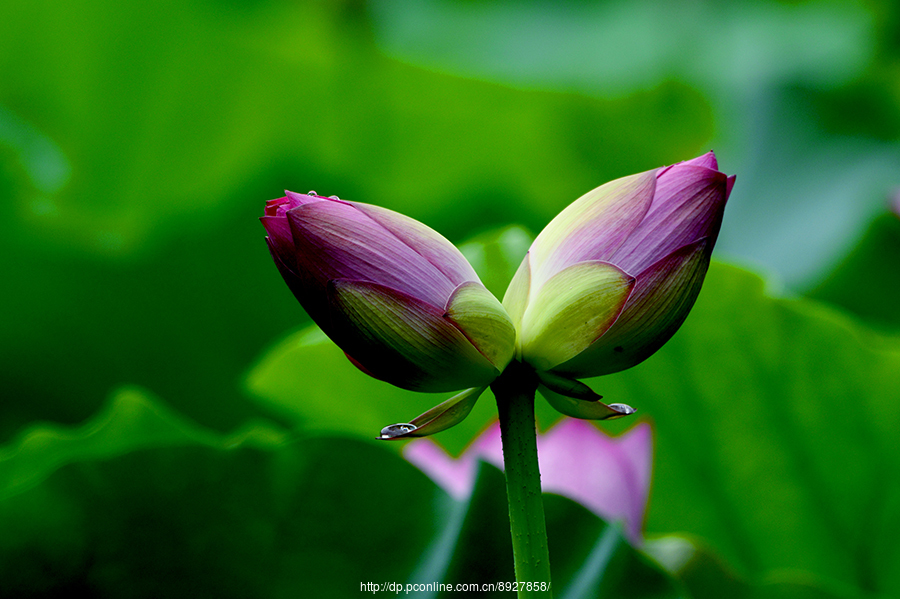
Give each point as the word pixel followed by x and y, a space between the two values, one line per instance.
pixel 514 391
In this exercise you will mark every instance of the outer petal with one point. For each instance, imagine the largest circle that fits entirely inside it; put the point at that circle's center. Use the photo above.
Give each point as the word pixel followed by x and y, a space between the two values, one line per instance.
pixel 279 206
pixel 593 227
pixel 404 341
pixel 662 297
pixel 290 275
pixel 571 311
pixel 707 160
pixel 280 239
pixel 335 240
pixel 688 206
pixel 426 242
pixel 481 318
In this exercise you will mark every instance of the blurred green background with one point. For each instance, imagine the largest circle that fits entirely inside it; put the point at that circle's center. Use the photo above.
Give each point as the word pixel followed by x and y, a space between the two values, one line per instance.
pixel 138 143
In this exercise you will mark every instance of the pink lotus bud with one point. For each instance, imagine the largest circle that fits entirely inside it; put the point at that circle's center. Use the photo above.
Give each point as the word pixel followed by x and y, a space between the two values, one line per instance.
pixel 614 275
pixel 397 297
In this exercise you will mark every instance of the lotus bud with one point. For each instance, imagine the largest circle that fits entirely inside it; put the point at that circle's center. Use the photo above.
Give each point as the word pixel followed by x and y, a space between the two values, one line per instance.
pixel 398 298
pixel 614 275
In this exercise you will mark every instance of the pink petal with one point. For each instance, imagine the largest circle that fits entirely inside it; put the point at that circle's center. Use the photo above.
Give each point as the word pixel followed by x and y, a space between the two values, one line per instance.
pixel 662 296
pixel 593 227
pixel 687 206
pixel 425 241
pixel 580 462
pixel 453 475
pixel 707 160
pixel 335 240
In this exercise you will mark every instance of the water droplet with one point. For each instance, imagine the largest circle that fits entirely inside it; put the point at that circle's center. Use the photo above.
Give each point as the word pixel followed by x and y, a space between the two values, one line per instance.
pixel 311 192
pixel 622 409
pixel 333 198
pixel 395 430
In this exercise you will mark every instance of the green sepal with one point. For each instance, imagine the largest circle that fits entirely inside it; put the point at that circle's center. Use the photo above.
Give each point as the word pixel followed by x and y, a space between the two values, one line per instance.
pixel 440 417
pixel 483 320
pixel 571 311
pixel 574 398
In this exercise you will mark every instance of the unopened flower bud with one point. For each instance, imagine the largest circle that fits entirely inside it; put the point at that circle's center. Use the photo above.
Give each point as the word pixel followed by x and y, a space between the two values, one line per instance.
pixel 399 299
pixel 614 275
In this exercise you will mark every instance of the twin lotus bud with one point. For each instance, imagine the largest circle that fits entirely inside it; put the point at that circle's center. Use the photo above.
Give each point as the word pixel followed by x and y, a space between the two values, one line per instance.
pixel 603 286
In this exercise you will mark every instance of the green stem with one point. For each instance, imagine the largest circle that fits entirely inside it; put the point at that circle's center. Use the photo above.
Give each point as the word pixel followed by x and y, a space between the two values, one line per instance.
pixel 514 391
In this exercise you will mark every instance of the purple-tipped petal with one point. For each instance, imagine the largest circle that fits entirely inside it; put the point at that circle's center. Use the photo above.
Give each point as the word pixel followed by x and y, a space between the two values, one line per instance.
pixel 397 297
pixel 426 242
pixel 688 206
pixel 649 226
pixel 593 227
pixel 661 299
pixel 707 160
pixel 335 240
pixel 280 206
pixel 280 240
pixel 289 273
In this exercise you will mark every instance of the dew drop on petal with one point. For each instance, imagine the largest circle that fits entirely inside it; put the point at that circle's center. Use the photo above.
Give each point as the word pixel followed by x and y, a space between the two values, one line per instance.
pixel 311 192
pixel 333 198
pixel 395 430
pixel 623 409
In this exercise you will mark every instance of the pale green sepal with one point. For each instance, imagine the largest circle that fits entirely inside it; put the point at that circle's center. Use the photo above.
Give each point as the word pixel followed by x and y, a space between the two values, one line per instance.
pixel 571 311
pixel 583 408
pixel 439 418
pixel 515 300
pixel 404 341
pixel 483 320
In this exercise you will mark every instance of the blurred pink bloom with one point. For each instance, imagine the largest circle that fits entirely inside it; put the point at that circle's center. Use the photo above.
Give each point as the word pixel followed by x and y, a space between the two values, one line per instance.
pixel 608 475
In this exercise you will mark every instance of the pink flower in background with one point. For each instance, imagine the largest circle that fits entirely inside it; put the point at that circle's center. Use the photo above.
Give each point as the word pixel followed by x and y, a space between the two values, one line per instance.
pixel 608 475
